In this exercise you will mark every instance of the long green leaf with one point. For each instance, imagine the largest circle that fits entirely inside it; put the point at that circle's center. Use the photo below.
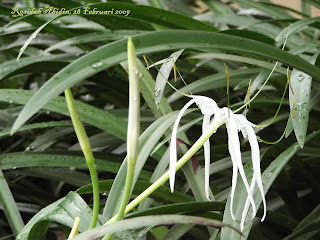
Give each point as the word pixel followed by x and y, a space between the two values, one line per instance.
pixel 93 37
pixel 306 232
pixel 48 138
pixel 272 10
pixel 138 12
pixel 65 175
pixel 177 231
pixel 315 3
pixel 39 126
pixel 238 59
pixel 214 81
pixel 99 140
pixel 19 160
pixel 218 7
pixel 181 208
pixel 32 36
pixel 295 27
pixel 162 194
pixel 244 22
pixel 163 75
pixel 148 221
pixel 10 206
pixel 157 173
pixel 41 39
pixel 308 227
pixel 63 211
pixel 299 99
pixel 89 114
pixel 97 61
pixel 9 68
pixel 156 3
pixel 305 8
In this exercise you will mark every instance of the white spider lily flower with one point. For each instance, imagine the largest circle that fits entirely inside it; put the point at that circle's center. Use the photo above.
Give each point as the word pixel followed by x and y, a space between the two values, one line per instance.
pixel 208 107
pixel 234 123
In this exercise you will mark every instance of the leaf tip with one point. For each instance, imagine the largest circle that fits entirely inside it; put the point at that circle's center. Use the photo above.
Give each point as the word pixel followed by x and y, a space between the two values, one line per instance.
pixel 15 127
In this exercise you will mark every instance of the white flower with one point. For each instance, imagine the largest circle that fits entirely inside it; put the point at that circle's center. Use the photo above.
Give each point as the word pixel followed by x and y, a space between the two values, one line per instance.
pixel 208 108
pixel 234 123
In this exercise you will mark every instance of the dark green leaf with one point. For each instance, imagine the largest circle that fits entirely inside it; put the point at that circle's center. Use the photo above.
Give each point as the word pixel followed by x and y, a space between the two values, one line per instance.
pixel 146 43
pixel 147 221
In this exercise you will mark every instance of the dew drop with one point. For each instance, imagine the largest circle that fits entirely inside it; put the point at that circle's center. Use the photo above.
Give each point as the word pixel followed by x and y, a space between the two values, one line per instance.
pixel 301 78
pixel 28 149
pixel 157 92
pixel 97 65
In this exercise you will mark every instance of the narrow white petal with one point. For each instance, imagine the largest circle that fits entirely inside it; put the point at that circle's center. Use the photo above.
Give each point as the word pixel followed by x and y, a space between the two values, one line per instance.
pixel 255 155
pixel 246 206
pixel 233 187
pixel 173 144
pixel 206 146
pixel 226 113
pixel 234 149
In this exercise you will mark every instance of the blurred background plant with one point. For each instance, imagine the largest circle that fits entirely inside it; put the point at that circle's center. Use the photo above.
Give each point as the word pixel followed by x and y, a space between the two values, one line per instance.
pixel 44 181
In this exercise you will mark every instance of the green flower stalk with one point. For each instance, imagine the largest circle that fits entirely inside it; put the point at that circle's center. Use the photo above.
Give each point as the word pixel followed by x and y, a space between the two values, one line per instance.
pixel 133 131
pixel 87 152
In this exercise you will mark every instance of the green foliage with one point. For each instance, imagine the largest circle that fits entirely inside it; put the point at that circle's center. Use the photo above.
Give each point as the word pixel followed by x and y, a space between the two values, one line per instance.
pixel 44 180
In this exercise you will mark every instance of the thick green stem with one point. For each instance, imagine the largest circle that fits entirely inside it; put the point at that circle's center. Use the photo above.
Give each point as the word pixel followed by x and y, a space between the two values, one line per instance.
pixel 10 207
pixel 96 194
pixel 133 130
pixel 125 197
pixel 87 152
pixel 217 122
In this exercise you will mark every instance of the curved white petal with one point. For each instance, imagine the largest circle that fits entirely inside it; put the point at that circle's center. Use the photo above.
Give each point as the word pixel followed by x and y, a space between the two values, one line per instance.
pixel 206 146
pixel 233 186
pixel 173 144
pixel 234 149
pixel 255 155
pixel 246 206
pixel 247 131
pixel 207 105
